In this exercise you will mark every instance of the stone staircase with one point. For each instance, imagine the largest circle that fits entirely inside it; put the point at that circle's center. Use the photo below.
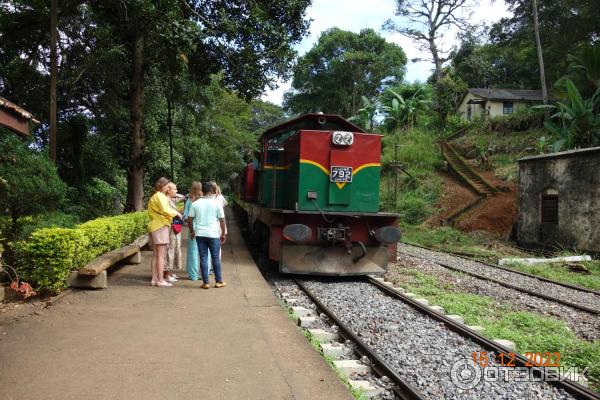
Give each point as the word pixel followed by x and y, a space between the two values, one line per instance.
pixel 465 172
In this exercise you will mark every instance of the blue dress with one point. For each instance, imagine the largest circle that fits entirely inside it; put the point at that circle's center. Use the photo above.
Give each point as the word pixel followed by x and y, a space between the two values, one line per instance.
pixel 192 251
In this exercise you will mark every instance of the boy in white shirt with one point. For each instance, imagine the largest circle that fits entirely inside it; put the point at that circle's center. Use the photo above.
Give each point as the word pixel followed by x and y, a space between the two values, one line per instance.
pixel 205 218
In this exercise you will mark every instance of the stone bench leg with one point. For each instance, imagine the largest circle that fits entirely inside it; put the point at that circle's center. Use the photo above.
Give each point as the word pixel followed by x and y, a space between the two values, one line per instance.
pixel 99 281
pixel 134 258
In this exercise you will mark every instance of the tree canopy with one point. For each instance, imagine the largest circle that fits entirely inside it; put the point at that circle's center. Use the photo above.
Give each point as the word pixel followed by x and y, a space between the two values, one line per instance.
pixel 342 67
pixel 120 60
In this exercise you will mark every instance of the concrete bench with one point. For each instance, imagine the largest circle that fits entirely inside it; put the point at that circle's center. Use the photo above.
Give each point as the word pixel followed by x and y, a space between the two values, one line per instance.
pixel 94 276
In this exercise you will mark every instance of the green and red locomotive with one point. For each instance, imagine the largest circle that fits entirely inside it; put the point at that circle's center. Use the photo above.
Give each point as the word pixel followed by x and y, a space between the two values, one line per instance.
pixel 312 198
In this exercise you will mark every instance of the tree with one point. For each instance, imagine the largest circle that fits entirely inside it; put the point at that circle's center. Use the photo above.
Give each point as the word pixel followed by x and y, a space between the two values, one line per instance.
pixel 401 113
pixel 579 124
pixel 109 51
pixel 538 45
pixel 428 21
pixel 564 26
pixel 29 183
pixel 365 116
pixel 342 67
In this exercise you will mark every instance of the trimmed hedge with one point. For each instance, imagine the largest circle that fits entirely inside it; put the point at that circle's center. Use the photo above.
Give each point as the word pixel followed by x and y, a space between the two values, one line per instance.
pixel 48 256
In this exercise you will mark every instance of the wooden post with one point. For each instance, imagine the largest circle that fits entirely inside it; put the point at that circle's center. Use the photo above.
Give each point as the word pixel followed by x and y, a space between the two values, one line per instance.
pixel 53 76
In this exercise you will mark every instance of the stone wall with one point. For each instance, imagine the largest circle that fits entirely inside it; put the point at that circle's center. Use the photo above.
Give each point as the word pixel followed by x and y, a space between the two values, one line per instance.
pixel 575 177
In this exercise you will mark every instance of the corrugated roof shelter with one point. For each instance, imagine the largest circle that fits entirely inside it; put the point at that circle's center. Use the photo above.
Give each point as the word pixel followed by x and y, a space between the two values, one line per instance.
pixel 15 118
pixel 479 102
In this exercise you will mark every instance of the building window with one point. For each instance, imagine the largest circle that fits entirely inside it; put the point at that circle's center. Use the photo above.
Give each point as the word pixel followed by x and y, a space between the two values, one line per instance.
pixel 507 107
pixel 549 207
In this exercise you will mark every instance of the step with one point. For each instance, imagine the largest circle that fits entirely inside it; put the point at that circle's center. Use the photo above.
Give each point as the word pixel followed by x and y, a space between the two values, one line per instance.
pixel 456 318
pixel 304 312
pixel 476 328
pixel 438 309
pixel 509 344
pixel 323 336
pixel 351 367
pixel 307 322
pixel 336 350
pixel 366 388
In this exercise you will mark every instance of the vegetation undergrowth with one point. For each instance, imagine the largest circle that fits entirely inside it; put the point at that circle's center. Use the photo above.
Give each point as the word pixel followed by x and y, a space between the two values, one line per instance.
pixel 485 247
pixel 478 245
pixel 529 331
pixel 561 273
pixel 419 187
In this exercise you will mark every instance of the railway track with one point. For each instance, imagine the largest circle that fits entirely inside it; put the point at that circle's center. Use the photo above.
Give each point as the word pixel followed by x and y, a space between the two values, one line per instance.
pixel 583 299
pixel 423 353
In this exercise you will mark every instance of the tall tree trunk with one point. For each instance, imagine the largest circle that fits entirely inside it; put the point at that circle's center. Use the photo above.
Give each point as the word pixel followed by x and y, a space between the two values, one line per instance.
pixel 135 171
pixel 436 59
pixel 536 28
pixel 53 73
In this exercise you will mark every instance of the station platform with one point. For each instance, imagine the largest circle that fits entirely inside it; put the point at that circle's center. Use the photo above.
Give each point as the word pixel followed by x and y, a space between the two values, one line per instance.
pixel 134 341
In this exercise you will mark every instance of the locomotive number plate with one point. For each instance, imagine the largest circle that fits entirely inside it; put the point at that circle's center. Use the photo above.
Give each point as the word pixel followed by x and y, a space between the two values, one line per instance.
pixel 341 174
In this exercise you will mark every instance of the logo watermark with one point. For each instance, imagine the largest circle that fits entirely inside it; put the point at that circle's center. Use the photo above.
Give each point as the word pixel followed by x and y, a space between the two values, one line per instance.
pixel 466 374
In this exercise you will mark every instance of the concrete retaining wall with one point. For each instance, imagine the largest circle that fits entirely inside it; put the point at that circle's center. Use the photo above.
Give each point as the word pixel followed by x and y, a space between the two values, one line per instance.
pixel 575 177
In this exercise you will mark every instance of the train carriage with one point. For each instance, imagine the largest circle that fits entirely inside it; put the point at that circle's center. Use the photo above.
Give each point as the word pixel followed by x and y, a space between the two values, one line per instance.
pixel 312 198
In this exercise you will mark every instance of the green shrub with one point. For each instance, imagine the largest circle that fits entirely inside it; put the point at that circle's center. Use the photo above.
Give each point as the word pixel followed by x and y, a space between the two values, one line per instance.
pixel 56 219
pixel 48 256
pixel 520 121
pixel 29 183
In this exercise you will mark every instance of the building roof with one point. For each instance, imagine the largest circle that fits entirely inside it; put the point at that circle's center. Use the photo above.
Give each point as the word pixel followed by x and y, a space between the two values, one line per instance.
pixel 15 118
pixel 18 110
pixel 312 121
pixel 507 94
pixel 561 154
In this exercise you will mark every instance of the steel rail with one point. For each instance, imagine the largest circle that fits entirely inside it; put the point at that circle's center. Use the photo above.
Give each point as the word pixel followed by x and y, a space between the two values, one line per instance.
pixel 402 388
pixel 510 286
pixel 541 278
pixel 574 388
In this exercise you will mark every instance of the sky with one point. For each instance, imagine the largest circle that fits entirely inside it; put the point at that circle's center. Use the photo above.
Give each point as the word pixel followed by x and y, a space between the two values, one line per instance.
pixel 354 15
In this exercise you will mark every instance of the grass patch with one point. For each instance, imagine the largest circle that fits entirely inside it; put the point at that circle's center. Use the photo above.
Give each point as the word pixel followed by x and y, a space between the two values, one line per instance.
pixel 561 273
pixel 529 331
pixel 479 245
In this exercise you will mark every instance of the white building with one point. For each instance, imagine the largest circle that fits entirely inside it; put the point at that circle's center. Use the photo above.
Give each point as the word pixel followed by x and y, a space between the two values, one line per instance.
pixel 496 102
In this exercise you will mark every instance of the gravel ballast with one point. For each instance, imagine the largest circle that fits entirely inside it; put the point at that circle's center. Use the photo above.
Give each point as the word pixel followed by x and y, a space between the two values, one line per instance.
pixel 420 348
pixel 559 292
pixel 583 324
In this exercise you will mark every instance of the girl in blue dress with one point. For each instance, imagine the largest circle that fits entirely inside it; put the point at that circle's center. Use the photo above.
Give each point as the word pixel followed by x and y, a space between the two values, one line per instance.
pixel 192 251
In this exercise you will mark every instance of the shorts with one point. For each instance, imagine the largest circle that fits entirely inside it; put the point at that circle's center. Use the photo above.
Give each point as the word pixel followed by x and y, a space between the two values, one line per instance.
pixel 160 236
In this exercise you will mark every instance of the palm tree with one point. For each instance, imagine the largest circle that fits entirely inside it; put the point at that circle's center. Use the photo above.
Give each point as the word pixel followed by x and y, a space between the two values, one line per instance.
pixel 366 115
pixel 402 113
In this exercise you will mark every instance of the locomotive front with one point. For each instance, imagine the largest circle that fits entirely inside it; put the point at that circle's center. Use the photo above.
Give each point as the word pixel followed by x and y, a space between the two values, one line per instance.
pixel 315 198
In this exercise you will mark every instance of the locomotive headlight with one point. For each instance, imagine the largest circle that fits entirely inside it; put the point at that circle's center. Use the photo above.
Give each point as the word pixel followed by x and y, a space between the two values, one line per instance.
pixel 341 138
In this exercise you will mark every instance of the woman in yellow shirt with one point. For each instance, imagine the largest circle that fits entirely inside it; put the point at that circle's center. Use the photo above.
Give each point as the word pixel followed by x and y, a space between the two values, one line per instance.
pixel 160 215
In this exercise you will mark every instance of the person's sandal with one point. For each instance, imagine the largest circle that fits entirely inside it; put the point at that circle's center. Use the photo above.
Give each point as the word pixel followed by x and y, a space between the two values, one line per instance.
pixel 220 284
pixel 205 286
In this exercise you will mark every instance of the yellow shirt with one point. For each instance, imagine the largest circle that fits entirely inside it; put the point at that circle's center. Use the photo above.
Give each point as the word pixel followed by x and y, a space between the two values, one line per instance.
pixel 160 212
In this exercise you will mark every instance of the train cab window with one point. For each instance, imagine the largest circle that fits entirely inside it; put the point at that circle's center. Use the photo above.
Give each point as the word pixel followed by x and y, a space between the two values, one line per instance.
pixel 549 207
pixel 275 147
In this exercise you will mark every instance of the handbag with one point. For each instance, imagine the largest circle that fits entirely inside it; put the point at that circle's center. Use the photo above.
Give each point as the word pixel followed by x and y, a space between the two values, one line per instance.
pixel 177 225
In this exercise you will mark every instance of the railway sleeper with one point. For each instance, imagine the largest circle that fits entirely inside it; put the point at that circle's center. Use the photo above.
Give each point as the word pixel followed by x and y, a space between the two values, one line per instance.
pixel 367 388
